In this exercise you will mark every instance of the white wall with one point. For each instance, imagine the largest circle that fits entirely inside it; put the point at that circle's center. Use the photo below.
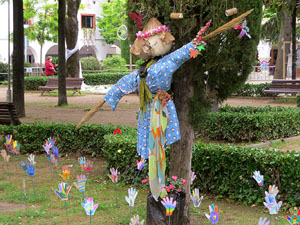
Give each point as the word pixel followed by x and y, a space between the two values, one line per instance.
pixel 4 31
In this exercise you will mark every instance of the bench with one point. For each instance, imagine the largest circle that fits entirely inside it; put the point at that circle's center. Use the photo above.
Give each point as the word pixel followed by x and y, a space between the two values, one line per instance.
pixel 71 84
pixel 284 87
pixel 8 114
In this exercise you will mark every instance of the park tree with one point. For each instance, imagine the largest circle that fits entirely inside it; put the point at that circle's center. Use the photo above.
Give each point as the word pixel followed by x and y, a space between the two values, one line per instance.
pixel 71 31
pixel 18 58
pixel 62 93
pixel 112 17
pixel 45 28
pixel 223 67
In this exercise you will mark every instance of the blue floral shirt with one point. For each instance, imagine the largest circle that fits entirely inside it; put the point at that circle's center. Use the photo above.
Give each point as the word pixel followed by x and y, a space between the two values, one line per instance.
pixel 159 78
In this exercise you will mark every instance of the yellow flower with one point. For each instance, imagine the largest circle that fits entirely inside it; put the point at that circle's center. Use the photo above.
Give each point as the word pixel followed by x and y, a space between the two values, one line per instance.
pixel 119 151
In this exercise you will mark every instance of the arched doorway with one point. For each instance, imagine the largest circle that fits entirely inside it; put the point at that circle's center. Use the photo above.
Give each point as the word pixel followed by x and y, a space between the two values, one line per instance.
pixel 87 51
pixel 52 51
pixel 31 55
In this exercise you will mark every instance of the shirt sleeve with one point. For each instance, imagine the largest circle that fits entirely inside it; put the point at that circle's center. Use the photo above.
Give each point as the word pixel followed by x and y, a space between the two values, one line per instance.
pixel 126 85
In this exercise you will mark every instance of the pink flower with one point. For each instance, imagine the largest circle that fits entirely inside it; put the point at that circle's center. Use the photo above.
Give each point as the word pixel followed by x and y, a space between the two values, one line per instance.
pixel 184 182
pixel 179 189
pixel 171 186
pixel 167 188
pixel 174 178
pixel 144 181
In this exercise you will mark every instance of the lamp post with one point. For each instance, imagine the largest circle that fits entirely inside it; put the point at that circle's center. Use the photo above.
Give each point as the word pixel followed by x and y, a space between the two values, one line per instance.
pixel 8 94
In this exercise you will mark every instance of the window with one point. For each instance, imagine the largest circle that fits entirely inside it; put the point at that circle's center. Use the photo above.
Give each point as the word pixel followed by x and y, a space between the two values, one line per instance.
pixel 87 21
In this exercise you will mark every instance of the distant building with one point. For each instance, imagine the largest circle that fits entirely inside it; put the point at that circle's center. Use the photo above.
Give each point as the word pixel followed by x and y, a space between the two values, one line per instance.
pixel 91 43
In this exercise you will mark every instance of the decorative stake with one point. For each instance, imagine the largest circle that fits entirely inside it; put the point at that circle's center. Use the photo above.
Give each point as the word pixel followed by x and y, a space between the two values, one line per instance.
pixel 170 205
pixel 25 196
pixel 132 193
pixel 214 214
pixel 114 178
pixel 140 165
pixel 89 207
pixel 63 193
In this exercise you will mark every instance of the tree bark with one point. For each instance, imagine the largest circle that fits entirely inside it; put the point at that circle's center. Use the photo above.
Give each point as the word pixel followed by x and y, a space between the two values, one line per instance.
pixel 294 39
pixel 18 58
pixel 62 93
pixel 72 65
pixel 181 151
pixel 285 35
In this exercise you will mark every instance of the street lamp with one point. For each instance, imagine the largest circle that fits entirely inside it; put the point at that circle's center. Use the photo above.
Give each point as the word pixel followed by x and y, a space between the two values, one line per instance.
pixel 8 94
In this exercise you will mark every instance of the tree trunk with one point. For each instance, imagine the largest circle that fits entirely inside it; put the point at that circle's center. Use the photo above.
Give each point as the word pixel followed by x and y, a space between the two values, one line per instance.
pixel 285 35
pixel 181 151
pixel 62 93
pixel 294 39
pixel 72 64
pixel 18 58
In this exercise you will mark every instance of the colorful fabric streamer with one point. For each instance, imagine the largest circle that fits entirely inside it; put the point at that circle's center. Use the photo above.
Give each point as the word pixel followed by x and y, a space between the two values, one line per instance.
pixel 157 160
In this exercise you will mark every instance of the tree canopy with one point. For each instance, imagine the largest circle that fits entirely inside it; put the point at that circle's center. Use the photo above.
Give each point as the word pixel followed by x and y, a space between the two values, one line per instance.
pixel 112 17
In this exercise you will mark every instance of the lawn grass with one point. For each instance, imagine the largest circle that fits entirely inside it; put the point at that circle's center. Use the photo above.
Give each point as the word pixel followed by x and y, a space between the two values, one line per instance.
pixel 46 208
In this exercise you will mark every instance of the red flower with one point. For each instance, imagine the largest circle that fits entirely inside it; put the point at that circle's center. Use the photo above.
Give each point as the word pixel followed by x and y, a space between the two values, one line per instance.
pixel 171 186
pixel 117 131
pixel 144 181
pixel 184 182
pixel 167 188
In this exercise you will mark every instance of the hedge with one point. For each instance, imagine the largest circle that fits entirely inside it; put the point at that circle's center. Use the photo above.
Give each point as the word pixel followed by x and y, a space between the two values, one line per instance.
pixel 224 170
pixel 237 124
pixel 252 90
pixel 33 83
pixel 87 140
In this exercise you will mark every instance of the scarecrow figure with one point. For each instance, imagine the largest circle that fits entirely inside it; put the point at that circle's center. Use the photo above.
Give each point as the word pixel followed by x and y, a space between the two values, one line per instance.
pixel 158 124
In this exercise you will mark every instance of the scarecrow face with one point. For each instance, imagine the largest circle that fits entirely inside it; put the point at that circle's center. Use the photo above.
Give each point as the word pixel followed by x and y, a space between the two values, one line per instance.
pixel 154 46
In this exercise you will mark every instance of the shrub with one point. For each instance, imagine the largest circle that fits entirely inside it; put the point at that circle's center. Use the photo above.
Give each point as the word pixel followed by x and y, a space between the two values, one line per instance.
pixel 252 90
pixel 138 63
pixel 3 69
pixel 33 83
pixel 102 78
pixel 236 124
pixel 90 63
pixel 298 99
pixel 27 64
pixel 87 140
pixel 115 63
pixel 227 170
pixel 224 170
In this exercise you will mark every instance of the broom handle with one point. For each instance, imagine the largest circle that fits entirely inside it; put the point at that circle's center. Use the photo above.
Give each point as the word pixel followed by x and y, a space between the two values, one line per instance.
pixel 91 113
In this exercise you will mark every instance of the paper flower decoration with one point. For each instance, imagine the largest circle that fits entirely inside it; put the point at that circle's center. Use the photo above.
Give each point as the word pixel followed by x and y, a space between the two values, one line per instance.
pixel 23 164
pixel 55 152
pixel 88 166
pixel 194 53
pixel 80 184
pixel 47 147
pixel 263 221
pixel 214 214
pixel 259 178
pixel 15 149
pixel 135 220
pixel 117 131
pixel 192 176
pixel 30 169
pixel 132 193
pixel 82 162
pixel 196 198
pixel 89 206
pixel 271 202
pixel 63 192
pixel 169 204
pixel 141 164
pixel 53 160
pixel 65 173
pixel 31 159
pixel 5 156
pixel 114 175
pixel 8 142
pixel 295 217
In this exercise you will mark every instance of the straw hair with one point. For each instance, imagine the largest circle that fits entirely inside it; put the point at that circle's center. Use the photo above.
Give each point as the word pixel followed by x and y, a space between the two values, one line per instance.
pixel 228 25
pixel 138 44
pixel 89 115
